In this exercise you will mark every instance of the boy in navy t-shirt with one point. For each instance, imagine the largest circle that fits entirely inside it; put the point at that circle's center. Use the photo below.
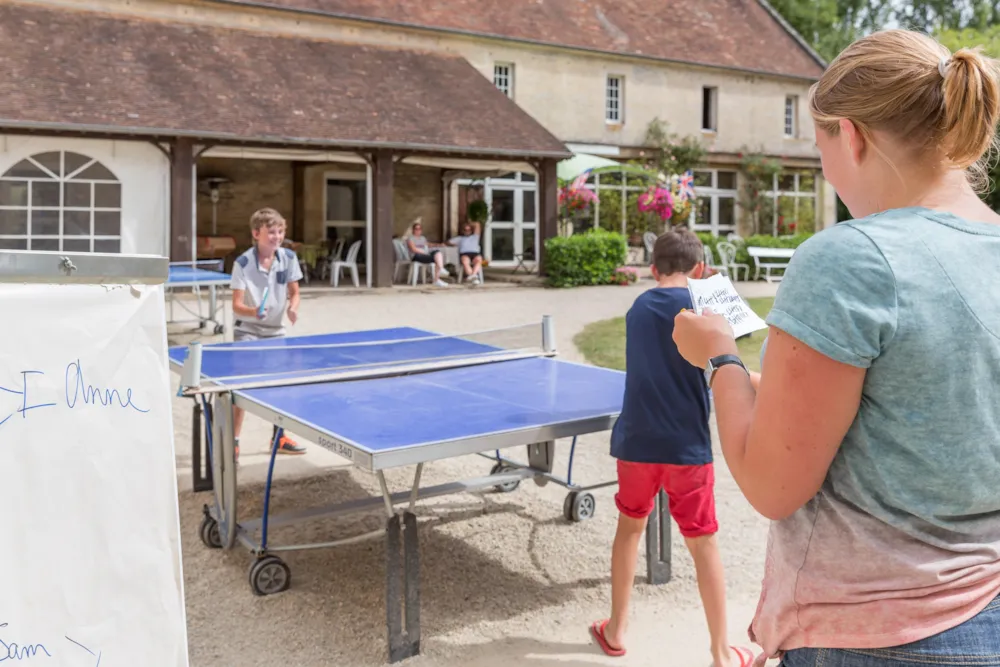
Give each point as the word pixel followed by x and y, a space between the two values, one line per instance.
pixel 662 441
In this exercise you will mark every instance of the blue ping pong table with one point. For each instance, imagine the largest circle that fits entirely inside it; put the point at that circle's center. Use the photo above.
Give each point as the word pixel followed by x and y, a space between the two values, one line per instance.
pixel 208 274
pixel 388 398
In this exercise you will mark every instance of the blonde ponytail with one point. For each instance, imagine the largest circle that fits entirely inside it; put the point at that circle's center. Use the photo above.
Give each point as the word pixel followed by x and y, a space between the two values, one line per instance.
pixel 943 106
pixel 972 107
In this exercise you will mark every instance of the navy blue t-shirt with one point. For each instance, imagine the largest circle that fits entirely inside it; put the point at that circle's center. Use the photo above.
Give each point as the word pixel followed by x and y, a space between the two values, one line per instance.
pixel 665 413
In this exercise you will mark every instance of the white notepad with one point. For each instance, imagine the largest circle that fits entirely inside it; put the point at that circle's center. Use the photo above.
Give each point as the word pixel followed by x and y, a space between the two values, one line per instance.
pixel 720 296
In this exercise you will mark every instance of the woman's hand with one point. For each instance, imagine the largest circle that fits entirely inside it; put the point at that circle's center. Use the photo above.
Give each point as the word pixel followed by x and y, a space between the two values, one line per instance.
pixel 701 337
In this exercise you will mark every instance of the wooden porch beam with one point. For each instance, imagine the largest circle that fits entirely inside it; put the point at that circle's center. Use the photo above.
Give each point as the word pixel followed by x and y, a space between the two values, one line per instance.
pixel 182 193
pixel 298 230
pixel 548 199
pixel 382 219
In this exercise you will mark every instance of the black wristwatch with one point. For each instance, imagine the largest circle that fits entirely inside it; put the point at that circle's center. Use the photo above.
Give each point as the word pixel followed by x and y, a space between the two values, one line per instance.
pixel 715 363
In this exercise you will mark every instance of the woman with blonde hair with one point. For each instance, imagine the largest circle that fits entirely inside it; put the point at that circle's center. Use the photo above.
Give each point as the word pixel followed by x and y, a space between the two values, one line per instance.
pixel 873 440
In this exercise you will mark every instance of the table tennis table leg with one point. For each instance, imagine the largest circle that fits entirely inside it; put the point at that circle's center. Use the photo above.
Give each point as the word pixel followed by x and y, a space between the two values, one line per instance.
pixel 658 542
pixel 201 469
pixel 402 572
pixel 542 456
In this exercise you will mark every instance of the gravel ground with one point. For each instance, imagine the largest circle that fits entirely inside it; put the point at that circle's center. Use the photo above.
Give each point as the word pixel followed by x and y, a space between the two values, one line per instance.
pixel 503 576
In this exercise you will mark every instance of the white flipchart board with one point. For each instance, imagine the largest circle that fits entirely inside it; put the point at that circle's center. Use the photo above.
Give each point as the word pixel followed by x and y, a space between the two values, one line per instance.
pixel 90 567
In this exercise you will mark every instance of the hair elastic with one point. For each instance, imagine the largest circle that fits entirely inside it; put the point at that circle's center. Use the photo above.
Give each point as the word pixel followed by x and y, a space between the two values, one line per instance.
pixel 943 66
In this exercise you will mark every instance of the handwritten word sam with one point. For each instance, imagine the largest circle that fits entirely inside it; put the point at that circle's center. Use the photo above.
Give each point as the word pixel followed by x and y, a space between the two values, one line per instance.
pixel 78 394
pixel 15 652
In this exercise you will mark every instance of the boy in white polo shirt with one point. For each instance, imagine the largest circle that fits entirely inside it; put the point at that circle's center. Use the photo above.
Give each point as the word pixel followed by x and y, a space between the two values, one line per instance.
pixel 265 271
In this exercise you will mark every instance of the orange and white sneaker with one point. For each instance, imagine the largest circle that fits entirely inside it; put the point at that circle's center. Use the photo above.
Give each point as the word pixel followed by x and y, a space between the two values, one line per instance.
pixel 288 446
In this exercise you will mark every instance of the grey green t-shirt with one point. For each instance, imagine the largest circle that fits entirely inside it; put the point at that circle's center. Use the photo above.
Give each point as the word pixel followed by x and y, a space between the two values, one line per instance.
pixel 248 275
pixel 466 244
pixel 903 539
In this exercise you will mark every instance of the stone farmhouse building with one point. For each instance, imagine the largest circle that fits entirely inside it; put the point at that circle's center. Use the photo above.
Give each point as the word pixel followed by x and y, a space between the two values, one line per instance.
pixel 156 126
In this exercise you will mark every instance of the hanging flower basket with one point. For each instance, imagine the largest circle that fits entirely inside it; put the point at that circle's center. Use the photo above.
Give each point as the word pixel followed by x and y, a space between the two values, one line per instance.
pixel 657 201
pixel 574 200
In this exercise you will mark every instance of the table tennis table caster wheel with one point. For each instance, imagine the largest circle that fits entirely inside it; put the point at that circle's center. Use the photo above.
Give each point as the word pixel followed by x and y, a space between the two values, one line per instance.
pixel 209 532
pixel 579 506
pixel 219 329
pixel 269 575
pixel 506 487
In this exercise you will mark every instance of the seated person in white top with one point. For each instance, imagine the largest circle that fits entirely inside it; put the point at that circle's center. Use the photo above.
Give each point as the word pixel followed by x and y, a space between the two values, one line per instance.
pixel 469 249
pixel 420 251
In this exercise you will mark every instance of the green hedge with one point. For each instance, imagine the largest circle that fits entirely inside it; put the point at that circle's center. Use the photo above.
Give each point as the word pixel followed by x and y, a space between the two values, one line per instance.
pixel 758 240
pixel 584 259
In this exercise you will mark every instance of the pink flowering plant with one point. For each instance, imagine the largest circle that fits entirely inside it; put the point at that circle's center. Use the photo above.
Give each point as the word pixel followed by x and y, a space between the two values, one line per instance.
pixel 625 275
pixel 657 201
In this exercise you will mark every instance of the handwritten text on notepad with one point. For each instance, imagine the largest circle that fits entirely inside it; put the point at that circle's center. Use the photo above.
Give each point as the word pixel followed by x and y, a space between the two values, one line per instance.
pixel 11 650
pixel 78 393
pixel 720 296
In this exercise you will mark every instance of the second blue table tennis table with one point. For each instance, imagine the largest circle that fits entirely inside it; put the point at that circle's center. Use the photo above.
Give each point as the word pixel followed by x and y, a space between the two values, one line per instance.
pixel 207 274
pixel 388 398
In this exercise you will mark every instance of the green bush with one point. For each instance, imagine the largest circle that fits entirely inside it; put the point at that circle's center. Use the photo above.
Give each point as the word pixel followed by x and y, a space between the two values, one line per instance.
pixel 758 240
pixel 584 259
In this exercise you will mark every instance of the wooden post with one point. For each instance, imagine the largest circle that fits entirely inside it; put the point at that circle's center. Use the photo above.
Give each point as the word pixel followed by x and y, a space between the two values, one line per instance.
pixel 181 200
pixel 548 198
pixel 382 223
pixel 298 230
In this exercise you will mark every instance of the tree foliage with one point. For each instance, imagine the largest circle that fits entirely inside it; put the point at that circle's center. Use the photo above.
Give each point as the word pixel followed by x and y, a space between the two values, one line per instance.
pixel 673 154
pixel 830 25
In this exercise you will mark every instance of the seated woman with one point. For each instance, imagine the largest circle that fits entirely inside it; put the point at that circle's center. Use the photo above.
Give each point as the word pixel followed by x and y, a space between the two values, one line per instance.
pixel 469 250
pixel 421 251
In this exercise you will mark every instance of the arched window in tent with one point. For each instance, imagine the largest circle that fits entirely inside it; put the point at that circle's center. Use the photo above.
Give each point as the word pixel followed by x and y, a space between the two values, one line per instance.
pixel 61 201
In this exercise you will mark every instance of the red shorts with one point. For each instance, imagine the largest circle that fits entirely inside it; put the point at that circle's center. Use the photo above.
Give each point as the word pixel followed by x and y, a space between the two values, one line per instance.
pixel 691 490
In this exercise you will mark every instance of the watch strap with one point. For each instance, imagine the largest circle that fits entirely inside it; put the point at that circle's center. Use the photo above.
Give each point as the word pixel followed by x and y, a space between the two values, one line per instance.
pixel 715 363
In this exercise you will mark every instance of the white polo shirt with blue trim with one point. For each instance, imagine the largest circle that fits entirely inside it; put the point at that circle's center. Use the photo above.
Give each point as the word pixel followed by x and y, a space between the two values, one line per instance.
pixel 250 276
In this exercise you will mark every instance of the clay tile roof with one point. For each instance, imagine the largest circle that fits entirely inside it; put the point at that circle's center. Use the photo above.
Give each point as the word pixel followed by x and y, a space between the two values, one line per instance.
pixel 741 34
pixel 76 70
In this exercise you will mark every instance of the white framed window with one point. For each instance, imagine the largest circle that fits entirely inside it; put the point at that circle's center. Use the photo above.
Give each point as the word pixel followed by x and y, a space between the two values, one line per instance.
pixel 512 233
pixel 791 116
pixel 715 204
pixel 62 201
pixel 503 78
pixel 614 98
pixel 795 202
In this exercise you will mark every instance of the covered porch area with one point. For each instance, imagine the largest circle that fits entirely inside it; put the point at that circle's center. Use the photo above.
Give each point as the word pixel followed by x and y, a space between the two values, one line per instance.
pixel 328 199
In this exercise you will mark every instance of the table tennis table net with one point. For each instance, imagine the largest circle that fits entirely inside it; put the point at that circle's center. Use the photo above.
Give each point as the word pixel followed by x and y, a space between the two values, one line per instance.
pixel 377 353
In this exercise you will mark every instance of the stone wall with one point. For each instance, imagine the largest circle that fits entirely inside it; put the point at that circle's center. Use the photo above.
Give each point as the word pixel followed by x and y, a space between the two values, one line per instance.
pixel 253 184
pixel 256 183
pixel 418 192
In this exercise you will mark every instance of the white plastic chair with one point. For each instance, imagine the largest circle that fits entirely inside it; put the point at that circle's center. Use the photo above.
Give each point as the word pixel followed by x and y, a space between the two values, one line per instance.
pixel 402 257
pixel 727 256
pixel 333 256
pixel 350 263
pixel 649 240
pixel 710 262
pixel 461 277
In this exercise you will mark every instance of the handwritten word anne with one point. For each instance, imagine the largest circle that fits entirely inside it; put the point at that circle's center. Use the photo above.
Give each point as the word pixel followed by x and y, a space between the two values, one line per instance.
pixel 17 653
pixel 77 389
